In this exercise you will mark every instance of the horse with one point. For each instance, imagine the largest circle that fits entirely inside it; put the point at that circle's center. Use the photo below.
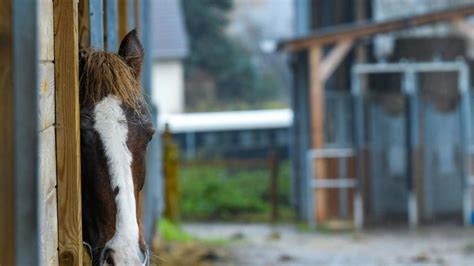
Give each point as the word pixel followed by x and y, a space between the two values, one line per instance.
pixel 115 130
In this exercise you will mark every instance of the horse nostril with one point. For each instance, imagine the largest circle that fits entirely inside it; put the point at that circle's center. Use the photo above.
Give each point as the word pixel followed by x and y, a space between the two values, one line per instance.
pixel 109 257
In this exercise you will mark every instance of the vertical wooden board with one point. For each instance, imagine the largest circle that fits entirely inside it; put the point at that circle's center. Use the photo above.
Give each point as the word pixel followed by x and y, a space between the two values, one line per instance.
pixel 46 30
pixel 48 161
pixel 49 230
pixel 122 19
pixel 46 95
pixel 7 197
pixel 84 24
pixel 67 132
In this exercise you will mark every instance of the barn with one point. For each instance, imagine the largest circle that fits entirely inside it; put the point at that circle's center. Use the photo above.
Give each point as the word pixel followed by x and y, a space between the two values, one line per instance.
pixel 382 132
pixel 40 188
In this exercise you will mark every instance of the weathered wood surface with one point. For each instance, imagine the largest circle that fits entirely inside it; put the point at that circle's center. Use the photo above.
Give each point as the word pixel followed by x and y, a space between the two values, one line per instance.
pixel 7 212
pixel 47 137
pixel 46 30
pixel 46 95
pixel 67 132
pixel 49 222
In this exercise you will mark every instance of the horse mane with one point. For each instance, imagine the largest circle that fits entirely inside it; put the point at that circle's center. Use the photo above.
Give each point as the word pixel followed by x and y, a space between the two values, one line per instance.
pixel 103 73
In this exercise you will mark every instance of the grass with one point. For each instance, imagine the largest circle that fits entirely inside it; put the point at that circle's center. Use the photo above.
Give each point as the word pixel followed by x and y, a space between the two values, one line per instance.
pixel 170 231
pixel 224 194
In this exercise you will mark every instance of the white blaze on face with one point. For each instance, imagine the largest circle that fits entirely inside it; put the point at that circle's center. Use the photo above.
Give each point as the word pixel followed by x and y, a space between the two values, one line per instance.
pixel 111 124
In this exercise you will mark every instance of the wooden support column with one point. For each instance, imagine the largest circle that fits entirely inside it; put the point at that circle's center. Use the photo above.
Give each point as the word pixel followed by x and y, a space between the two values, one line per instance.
pixel 320 69
pixel 68 132
pixel 316 87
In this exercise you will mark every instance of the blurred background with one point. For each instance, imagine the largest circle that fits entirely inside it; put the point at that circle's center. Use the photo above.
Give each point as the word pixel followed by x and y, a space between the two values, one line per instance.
pixel 314 132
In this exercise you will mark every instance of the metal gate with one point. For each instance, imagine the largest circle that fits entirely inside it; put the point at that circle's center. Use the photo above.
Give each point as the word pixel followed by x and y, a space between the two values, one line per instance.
pixel 421 142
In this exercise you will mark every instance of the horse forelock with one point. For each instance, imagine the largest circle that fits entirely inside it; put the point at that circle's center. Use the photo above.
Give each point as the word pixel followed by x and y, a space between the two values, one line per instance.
pixel 105 73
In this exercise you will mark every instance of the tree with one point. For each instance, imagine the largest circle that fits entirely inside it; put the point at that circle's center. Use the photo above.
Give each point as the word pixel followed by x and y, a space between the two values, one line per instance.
pixel 235 79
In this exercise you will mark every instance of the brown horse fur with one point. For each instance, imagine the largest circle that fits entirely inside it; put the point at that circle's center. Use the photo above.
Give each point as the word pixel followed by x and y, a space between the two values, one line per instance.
pixel 103 74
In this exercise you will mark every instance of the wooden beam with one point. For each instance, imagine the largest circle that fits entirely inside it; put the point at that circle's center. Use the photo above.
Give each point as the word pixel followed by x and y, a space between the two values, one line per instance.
pixel 7 181
pixel 317 99
pixel 335 34
pixel 67 132
pixel 334 58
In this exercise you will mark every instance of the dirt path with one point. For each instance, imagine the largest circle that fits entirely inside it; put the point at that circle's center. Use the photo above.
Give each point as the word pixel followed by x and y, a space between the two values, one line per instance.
pixel 285 245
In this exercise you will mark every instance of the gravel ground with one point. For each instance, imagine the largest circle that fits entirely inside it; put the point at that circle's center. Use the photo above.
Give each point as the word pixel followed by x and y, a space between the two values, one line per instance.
pixel 258 244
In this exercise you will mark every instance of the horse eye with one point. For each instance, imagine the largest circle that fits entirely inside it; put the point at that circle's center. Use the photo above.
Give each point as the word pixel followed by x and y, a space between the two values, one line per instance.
pixel 151 134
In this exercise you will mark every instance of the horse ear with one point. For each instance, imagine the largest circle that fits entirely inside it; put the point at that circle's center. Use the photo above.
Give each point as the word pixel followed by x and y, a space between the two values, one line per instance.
pixel 131 50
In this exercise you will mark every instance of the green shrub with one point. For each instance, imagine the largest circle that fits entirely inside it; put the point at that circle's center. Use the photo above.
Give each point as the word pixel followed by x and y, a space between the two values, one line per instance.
pixel 210 193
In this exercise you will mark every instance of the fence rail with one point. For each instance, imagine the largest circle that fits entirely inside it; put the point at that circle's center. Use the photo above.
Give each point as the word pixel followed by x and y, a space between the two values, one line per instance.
pixel 343 182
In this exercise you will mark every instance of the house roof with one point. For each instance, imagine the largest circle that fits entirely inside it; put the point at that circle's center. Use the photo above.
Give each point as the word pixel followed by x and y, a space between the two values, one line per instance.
pixel 169 39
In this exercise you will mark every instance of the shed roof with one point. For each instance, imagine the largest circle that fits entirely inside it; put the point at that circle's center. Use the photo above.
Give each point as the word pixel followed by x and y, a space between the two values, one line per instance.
pixel 334 34
pixel 224 121
pixel 169 39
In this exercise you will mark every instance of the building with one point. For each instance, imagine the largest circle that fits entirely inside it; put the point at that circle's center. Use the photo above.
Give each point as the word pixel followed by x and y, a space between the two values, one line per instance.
pixel 169 48
pixel 236 134
pixel 409 152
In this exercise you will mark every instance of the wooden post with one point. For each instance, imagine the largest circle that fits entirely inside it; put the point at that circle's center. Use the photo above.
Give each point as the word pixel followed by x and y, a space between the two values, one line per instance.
pixel 68 132
pixel 316 87
pixel 7 181
pixel 274 185
pixel 122 19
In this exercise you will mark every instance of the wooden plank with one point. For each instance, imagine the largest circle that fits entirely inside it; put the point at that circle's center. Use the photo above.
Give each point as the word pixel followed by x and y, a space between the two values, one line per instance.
pixel 47 156
pixel 131 15
pixel 122 19
pixel 136 15
pixel 316 90
pixel 67 132
pixel 334 58
pixel 7 182
pixel 49 229
pixel 46 30
pixel 355 31
pixel 84 24
pixel 46 95
pixel 48 209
